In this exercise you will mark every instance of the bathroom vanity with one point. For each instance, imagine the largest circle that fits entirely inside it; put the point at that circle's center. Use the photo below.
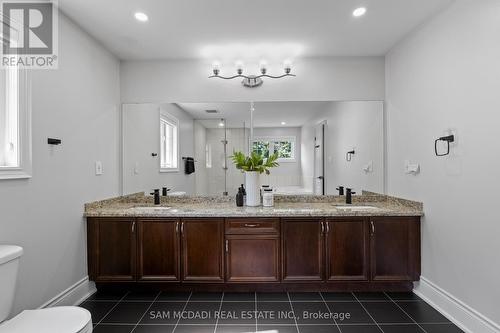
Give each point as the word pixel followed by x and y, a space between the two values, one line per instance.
pixel 300 244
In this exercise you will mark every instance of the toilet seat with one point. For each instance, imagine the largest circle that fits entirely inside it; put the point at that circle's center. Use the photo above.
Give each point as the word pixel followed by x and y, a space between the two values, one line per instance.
pixel 62 319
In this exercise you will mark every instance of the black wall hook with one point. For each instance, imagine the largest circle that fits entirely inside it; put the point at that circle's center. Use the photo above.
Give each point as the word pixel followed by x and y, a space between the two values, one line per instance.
pixel 348 155
pixel 54 142
pixel 448 139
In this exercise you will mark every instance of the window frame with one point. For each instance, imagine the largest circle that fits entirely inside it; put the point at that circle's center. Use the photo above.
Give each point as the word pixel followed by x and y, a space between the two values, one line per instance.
pixel 24 132
pixel 271 139
pixel 173 121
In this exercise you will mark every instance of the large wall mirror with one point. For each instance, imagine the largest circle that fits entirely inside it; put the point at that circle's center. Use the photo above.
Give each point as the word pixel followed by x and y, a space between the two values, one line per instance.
pixel 187 147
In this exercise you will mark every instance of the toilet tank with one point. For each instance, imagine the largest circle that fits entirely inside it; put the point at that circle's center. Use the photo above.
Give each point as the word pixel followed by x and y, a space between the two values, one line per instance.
pixel 9 263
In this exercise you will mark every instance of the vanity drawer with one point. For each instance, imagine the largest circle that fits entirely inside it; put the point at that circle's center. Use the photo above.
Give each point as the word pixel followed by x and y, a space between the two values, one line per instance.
pixel 239 226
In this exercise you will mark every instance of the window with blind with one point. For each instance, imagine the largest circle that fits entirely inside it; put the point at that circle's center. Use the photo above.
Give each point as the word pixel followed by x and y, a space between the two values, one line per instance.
pixel 169 143
pixel 15 129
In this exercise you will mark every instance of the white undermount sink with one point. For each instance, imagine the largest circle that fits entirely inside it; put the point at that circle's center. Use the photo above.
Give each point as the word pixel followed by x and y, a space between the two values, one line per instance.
pixel 153 208
pixel 354 208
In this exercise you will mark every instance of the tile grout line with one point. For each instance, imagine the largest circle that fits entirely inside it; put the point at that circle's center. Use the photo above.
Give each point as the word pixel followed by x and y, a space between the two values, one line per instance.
pixel 149 307
pixel 406 313
pixel 330 311
pixel 182 312
pixel 114 306
pixel 255 314
pixel 369 314
pixel 293 311
pixel 218 315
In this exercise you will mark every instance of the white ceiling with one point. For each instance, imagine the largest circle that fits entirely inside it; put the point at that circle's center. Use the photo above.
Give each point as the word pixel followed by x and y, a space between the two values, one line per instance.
pixel 266 114
pixel 231 29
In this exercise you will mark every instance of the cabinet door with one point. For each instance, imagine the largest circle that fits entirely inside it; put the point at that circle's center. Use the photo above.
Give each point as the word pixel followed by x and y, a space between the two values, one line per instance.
pixel 303 249
pixel 395 248
pixel 112 249
pixel 202 250
pixel 347 244
pixel 252 258
pixel 158 250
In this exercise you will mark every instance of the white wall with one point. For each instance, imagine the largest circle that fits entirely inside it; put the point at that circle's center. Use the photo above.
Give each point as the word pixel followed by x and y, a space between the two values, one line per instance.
pixel 318 79
pixel 350 125
pixel 141 138
pixel 201 175
pixel 77 103
pixel 447 75
pixel 288 173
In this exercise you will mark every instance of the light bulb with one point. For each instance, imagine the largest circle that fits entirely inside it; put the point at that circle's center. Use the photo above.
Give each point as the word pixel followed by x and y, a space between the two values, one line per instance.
pixel 139 16
pixel 263 67
pixel 359 12
pixel 287 66
pixel 216 67
pixel 239 67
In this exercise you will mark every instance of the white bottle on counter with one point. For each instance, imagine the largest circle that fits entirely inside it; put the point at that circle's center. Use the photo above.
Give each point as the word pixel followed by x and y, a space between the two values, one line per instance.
pixel 268 198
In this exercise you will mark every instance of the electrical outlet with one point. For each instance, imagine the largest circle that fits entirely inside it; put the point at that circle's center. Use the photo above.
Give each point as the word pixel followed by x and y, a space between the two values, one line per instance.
pixel 98 168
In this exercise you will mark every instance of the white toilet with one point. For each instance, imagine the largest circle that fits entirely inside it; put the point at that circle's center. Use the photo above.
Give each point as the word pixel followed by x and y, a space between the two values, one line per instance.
pixel 63 319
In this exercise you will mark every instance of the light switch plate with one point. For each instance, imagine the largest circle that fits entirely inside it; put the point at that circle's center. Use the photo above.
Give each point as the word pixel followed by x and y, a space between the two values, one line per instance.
pixel 98 168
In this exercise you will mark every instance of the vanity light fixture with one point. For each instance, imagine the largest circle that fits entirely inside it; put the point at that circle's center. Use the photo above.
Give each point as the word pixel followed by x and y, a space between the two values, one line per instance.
pixel 141 17
pixel 358 12
pixel 252 81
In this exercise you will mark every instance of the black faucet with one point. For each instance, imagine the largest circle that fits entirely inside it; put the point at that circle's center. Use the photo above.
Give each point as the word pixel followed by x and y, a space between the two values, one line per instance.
pixel 156 194
pixel 348 196
pixel 164 191
pixel 341 190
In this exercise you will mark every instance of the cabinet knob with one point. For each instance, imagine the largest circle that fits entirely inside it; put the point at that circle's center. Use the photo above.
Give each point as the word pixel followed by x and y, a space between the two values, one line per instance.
pixel 227 245
pixel 373 227
pixel 133 227
pixel 251 225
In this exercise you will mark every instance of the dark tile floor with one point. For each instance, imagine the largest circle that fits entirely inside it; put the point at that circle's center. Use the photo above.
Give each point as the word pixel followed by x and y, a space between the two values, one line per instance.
pixel 154 312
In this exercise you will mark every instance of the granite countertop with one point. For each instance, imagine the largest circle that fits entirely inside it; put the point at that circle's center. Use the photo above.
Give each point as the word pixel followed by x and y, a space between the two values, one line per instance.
pixel 138 205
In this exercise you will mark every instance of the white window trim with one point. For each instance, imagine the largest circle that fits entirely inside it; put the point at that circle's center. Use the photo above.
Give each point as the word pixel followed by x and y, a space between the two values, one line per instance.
pixel 271 139
pixel 169 118
pixel 25 168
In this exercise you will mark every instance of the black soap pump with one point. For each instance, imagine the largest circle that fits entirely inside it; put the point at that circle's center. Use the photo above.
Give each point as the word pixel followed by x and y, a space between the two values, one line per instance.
pixel 239 197
pixel 244 195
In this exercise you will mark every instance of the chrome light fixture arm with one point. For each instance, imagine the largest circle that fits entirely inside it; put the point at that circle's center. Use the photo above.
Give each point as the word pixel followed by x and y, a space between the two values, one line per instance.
pixel 251 81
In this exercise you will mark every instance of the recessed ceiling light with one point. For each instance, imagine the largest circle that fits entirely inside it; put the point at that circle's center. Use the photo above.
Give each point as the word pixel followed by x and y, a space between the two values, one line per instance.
pixel 221 124
pixel 283 123
pixel 140 16
pixel 359 12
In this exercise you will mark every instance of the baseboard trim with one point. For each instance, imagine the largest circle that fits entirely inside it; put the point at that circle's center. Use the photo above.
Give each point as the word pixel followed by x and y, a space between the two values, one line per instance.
pixel 73 295
pixel 461 314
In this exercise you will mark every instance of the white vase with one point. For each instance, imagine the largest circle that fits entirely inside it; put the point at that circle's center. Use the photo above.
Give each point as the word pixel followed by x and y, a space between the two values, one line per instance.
pixel 252 188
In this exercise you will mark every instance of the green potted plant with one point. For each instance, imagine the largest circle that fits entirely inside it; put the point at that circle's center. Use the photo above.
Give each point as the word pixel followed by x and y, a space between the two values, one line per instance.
pixel 254 165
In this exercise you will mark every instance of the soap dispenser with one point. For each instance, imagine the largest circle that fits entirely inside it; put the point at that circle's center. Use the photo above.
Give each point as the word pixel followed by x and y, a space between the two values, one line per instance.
pixel 239 197
pixel 244 195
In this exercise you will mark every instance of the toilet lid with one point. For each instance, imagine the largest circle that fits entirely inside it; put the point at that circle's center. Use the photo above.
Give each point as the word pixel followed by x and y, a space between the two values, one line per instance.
pixel 63 319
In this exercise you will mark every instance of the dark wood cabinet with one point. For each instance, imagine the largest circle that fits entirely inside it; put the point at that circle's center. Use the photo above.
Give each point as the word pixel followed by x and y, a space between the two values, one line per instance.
pixel 302 249
pixel 347 249
pixel 395 248
pixel 202 249
pixel 158 250
pixel 112 249
pixel 309 253
pixel 252 258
